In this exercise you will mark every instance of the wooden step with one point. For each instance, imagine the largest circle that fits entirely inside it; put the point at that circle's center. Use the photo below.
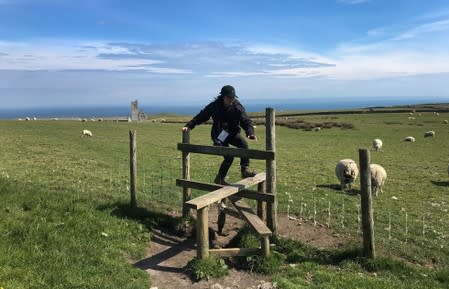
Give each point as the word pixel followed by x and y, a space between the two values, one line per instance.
pixel 247 213
pixel 224 192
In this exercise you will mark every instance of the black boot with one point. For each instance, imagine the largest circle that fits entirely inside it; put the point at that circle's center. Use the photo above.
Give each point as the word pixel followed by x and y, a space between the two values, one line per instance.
pixel 247 173
pixel 220 180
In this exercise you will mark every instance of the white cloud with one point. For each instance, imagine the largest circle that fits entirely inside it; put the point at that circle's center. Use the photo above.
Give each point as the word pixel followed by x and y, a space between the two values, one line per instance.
pixel 436 26
pixel 73 56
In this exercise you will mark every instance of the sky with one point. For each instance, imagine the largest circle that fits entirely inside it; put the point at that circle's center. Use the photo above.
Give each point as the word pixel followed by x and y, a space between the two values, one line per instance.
pixel 167 52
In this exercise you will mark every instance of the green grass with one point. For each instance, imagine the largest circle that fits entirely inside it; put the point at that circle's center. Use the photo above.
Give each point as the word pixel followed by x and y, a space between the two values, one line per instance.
pixel 65 222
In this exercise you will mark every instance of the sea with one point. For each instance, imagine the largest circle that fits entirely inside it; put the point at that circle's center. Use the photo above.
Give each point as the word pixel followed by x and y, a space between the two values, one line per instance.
pixel 105 111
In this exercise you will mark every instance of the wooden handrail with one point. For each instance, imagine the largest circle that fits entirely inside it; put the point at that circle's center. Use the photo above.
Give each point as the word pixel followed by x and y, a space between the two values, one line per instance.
pixel 226 151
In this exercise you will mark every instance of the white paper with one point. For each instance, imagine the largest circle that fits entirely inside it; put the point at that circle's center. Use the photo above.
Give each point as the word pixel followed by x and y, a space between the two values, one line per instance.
pixel 222 136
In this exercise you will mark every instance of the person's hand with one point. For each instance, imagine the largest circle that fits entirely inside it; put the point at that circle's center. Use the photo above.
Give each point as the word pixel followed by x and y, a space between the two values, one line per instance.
pixel 185 129
pixel 253 137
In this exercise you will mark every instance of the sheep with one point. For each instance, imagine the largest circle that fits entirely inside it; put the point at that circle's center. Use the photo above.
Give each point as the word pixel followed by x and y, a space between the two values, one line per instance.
pixel 378 177
pixel 87 133
pixel 429 133
pixel 409 139
pixel 445 121
pixel 317 128
pixel 377 144
pixel 346 171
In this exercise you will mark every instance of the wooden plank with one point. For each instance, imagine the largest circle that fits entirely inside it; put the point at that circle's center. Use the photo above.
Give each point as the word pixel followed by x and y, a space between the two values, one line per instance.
pixel 252 219
pixel 249 194
pixel 254 195
pixel 217 195
pixel 231 212
pixel 198 185
pixel 231 252
pixel 226 151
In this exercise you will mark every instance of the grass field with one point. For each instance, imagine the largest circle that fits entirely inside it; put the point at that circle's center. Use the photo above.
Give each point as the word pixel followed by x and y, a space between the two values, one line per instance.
pixel 65 221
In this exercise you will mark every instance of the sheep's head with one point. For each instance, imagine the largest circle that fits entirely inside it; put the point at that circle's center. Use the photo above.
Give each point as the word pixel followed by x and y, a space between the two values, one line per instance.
pixel 349 175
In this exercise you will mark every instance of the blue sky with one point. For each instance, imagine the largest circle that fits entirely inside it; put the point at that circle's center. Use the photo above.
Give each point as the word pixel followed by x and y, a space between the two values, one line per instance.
pixel 108 52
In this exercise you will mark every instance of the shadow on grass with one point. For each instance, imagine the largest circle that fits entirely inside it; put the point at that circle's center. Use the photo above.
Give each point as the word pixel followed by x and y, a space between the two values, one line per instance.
pixel 151 219
pixel 336 187
pixel 166 233
pixel 440 183
pixel 174 246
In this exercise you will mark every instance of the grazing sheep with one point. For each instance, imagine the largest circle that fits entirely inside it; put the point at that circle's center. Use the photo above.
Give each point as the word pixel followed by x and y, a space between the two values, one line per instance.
pixel 409 139
pixel 429 133
pixel 445 121
pixel 317 128
pixel 346 171
pixel 378 177
pixel 377 144
pixel 87 133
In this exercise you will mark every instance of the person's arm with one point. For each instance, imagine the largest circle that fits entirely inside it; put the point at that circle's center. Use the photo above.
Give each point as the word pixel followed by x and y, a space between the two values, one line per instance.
pixel 203 116
pixel 247 124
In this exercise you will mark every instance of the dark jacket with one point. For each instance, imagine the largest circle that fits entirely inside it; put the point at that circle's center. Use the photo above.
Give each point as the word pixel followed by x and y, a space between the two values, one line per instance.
pixel 224 118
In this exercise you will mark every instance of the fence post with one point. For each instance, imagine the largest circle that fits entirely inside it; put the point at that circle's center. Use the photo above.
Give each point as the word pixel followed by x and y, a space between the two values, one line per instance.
pixel 366 204
pixel 186 192
pixel 202 235
pixel 270 145
pixel 133 167
pixel 261 205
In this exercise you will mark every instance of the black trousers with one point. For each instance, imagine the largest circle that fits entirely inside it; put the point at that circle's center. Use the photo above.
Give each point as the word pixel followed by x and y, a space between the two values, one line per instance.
pixel 238 141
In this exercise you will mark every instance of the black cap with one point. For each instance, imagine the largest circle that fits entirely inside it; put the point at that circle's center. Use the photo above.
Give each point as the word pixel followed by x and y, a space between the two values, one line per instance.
pixel 228 91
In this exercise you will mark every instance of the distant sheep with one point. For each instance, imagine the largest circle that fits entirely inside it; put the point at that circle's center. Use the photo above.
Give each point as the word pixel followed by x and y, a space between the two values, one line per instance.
pixel 445 121
pixel 317 128
pixel 429 133
pixel 377 144
pixel 409 139
pixel 378 177
pixel 87 133
pixel 346 171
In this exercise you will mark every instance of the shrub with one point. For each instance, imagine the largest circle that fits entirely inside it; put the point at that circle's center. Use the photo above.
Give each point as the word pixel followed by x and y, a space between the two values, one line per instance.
pixel 207 268
pixel 266 265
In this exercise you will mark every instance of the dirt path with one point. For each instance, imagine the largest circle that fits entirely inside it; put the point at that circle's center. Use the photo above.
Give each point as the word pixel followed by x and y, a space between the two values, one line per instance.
pixel 168 255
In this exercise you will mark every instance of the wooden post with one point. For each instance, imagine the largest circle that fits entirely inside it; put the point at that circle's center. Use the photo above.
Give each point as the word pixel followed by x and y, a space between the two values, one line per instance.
pixel 133 167
pixel 271 169
pixel 261 207
pixel 186 192
pixel 366 204
pixel 266 246
pixel 202 233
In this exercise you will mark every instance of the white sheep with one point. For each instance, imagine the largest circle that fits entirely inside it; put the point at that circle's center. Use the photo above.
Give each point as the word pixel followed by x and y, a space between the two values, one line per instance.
pixel 87 133
pixel 445 121
pixel 409 139
pixel 377 144
pixel 429 133
pixel 346 171
pixel 378 177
